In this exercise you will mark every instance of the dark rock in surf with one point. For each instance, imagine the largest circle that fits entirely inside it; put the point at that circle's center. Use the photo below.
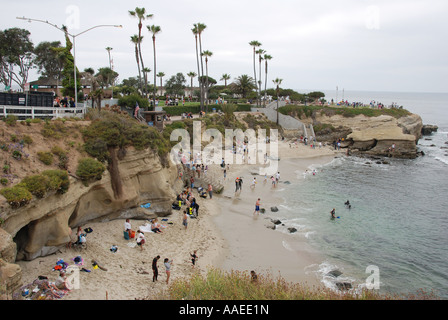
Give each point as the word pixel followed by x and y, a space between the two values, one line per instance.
pixel 343 285
pixel 292 230
pixel 428 129
pixel 334 273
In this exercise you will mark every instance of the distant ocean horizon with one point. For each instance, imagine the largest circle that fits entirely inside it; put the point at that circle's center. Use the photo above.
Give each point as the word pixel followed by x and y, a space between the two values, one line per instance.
pixel 398 221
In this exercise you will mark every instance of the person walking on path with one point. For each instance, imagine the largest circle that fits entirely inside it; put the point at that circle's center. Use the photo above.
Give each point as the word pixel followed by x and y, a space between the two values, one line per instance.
pixel 155 270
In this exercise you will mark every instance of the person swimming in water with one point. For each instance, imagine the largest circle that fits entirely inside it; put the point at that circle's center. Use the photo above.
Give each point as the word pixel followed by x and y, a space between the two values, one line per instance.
pixel 332 212
pixel 348 205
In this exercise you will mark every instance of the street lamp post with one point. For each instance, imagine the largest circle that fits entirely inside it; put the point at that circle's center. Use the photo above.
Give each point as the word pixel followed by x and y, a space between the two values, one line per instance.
pixel 74 45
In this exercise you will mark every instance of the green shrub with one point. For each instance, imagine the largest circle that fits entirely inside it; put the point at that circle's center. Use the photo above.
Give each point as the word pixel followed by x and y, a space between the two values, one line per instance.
pixel 11 120
pixel 27 140
pixel 16 154
pixel 16 196
pixel 36 184
pixel 57 180
pixel 131 100
pixel 45 157
pixel 4 181
pixel 90 169
pixel 54 129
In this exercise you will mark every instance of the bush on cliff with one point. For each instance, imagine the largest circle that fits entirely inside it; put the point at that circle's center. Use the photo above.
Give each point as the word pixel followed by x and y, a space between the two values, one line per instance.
pixel 90 169
pixel 16 196
pixel 45 157
pixel 57 180
pixel 36 184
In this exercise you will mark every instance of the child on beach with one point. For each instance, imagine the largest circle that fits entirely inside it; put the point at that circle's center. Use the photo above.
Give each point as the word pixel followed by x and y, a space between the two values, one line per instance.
pixel 254 182
pixel 167 264
pixel 257 207
pixel 194 257
pixel 140 239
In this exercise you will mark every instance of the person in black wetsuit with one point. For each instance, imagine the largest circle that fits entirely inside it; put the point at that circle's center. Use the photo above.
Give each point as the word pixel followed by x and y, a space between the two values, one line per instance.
pixel 155 270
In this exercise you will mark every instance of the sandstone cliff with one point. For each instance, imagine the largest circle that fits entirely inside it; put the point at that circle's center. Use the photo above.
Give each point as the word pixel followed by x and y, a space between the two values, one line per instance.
pixel 45 224
pixel 373 135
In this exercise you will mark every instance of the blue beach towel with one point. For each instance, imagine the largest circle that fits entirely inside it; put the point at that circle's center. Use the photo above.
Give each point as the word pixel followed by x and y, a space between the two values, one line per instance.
pixel 145 205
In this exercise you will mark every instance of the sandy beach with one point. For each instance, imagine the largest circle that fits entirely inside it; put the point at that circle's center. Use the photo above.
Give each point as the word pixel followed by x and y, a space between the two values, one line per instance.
pixel 226 235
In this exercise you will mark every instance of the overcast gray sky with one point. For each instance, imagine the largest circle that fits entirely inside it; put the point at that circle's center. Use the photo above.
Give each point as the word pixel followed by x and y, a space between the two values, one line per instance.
pixel 371 45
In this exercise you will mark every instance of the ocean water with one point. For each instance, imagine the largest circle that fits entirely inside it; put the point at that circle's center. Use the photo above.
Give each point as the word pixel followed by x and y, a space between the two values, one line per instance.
pixel 398 220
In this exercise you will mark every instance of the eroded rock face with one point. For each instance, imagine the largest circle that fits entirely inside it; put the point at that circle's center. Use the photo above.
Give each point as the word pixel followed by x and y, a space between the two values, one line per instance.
pixel 377 135
pixel 44 225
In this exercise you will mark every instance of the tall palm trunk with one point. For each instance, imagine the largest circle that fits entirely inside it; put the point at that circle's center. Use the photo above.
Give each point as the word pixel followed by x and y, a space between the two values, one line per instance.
pixel 255 71
pixel 202 71
pixel 206 83
pixel 139 70
pixel 265 80
pixel 145 77
pixel 259 82
pixel 199 72
pixel 155 72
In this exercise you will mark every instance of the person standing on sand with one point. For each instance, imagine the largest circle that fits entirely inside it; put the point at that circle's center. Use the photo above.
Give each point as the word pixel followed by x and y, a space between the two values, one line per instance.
pixel 257 207
pixel 155 270
pixel 237 185
pixel 185 220
pixel 210 190
pixel 194 257
pixel 254 182
pixel 167 264
pixel 332 212
pixel 140 239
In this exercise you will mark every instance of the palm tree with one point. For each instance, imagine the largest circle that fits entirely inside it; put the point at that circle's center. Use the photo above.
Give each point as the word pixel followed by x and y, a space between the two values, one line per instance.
pixel 161 75
pixel 197 31
pixel 266 58
pixel 225 77
pixel 206 54
pixel 135 39
pixel 147 71
pixel 260 52
pixel 191 74
pixel 277 82
pixel 140 13
pixel 244 84
pixel 109 49
pixel 154 30
pixel 255 44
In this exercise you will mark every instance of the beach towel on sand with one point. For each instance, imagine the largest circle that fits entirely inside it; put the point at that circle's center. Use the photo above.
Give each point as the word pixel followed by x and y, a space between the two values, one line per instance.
pixel 146 228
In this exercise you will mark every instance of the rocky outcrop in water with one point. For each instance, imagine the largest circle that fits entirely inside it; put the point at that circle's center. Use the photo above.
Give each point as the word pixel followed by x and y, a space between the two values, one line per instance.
pixel 428 129
pixel 376 136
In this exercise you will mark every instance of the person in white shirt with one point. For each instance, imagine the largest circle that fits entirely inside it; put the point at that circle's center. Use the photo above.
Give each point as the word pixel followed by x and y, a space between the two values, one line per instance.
pixel 127 226
pixel 140 239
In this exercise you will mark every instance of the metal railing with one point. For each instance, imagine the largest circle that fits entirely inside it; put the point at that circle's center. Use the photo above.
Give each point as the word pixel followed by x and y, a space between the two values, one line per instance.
pixel 26 112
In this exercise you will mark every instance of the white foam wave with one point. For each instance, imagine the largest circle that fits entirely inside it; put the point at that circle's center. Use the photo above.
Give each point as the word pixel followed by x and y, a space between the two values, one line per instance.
pixel 445 161
pixel 287 246
pixel 309 234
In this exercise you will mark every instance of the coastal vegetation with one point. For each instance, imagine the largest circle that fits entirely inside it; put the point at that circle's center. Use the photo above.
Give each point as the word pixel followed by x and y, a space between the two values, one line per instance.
pixel 236 285
pixel 38 185
pixel 307 111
